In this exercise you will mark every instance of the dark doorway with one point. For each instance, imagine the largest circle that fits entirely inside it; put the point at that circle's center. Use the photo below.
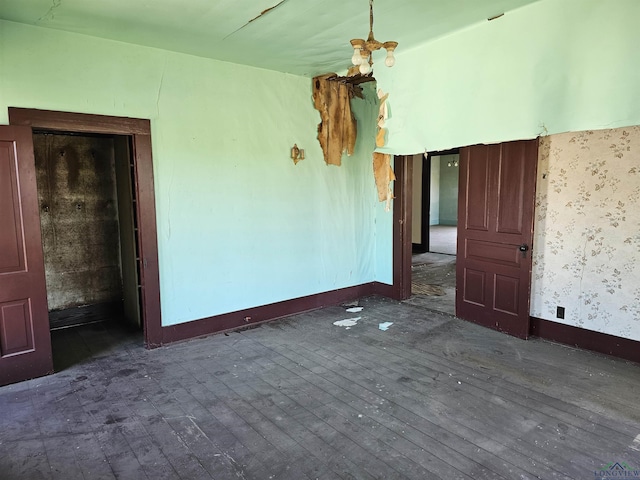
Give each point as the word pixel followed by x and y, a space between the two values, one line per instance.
pixel 27 336
pixel 88 224
pixel 138 131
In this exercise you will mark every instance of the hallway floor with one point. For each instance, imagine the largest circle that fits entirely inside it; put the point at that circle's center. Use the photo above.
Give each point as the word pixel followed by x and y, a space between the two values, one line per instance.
pixel 432 397
pixel 443 239
pixel 433 282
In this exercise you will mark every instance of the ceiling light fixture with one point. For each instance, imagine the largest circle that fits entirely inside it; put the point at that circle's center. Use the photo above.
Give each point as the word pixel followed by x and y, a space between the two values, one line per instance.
pixel 363 49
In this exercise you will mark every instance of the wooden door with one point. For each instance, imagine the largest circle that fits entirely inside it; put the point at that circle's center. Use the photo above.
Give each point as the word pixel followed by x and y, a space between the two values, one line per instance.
pixel 25 341
pixel 495 231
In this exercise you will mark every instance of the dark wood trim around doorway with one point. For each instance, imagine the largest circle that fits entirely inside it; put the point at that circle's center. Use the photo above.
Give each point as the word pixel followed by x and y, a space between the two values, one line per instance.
pixel 139 130
pixel 425 207
pixel 402 211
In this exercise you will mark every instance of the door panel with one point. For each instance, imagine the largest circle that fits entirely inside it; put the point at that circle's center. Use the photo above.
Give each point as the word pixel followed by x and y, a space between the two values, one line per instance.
pixel 511 188
pixel 11 253
pixel 25 341
pixel 16 329
pixel 497 186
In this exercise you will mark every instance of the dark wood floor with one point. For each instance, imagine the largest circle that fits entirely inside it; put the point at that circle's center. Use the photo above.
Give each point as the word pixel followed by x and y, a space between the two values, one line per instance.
pixel 432 397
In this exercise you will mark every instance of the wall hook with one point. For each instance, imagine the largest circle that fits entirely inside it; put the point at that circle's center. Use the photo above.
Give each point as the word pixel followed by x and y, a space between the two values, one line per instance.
pixel 297 154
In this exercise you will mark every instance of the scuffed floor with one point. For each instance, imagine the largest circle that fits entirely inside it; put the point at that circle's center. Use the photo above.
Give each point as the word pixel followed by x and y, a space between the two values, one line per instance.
pixel 432 397
pixel 433 282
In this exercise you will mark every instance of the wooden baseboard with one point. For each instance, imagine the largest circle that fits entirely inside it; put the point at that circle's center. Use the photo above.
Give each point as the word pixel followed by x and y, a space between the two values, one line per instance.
pixel 382 289
pixel 587 339
pixel 264 313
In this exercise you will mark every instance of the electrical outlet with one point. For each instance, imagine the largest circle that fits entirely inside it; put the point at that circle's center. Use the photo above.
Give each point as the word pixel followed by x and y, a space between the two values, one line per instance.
pixel 560 312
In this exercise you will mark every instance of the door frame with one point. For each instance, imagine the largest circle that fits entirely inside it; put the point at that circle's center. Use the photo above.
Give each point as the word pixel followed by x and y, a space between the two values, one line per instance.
pixel 425 203
pixel 402 208
pixel 139 131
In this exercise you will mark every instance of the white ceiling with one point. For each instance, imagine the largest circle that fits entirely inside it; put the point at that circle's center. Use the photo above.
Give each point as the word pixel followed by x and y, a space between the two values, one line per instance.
pixel 302 37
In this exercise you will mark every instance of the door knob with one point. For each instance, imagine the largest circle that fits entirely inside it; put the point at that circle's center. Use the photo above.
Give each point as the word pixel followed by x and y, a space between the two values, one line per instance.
pixel 523 248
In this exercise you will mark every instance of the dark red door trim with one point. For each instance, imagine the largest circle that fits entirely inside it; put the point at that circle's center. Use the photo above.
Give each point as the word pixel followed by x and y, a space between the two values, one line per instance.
pixel 140 132
pixel 402 211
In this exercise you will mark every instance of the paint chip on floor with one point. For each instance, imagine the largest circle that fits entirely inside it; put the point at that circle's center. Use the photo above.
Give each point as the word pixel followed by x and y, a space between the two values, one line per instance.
pixel 384 326
pixel 354 309
pixel 347 322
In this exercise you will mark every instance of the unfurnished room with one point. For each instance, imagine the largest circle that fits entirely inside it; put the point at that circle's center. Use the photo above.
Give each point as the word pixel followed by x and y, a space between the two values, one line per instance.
pixel 374 239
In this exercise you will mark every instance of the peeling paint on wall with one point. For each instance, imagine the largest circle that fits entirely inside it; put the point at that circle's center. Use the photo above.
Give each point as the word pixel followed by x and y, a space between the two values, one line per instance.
pixel 337 129
pixel 384 176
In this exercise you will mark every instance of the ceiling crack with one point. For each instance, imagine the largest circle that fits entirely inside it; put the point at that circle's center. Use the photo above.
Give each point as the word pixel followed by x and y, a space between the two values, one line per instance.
pixel 262 14
pixel 50 13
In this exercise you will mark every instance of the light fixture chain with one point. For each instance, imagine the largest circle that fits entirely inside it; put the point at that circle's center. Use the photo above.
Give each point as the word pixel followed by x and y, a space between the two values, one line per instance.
pixel 363 49
pixel 371 17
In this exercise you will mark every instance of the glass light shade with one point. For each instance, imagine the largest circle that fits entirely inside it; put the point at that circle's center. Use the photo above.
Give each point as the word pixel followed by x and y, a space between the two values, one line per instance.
pixel 364 68
pixel 356 59
pixel 390 61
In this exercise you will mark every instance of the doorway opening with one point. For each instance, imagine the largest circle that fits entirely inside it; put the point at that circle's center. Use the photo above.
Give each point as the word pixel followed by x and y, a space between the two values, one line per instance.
pixel 89 233
pixel 493 263
pixel 118 264
pixel 88 225
pixel 434 222
pixel 434 216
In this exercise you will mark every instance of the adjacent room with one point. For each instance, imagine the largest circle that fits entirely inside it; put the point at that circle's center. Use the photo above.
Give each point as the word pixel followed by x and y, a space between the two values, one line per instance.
pixel 255 239
pixel 434 231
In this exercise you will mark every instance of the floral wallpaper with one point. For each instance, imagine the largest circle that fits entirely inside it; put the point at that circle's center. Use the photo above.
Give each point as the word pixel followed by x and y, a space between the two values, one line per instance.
pixel 587 231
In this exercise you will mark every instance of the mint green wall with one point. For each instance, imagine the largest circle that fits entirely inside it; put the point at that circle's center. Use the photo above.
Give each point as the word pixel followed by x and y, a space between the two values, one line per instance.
pixel 552 66
pixel 238 224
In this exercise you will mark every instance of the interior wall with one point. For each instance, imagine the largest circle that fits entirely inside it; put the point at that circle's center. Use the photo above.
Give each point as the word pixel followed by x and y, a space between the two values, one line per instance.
pixel 416 211
pixel 239 225
pixel 448 208
pixel 434 205
pixel 586 249
pixel 79 219
pixel 549 67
